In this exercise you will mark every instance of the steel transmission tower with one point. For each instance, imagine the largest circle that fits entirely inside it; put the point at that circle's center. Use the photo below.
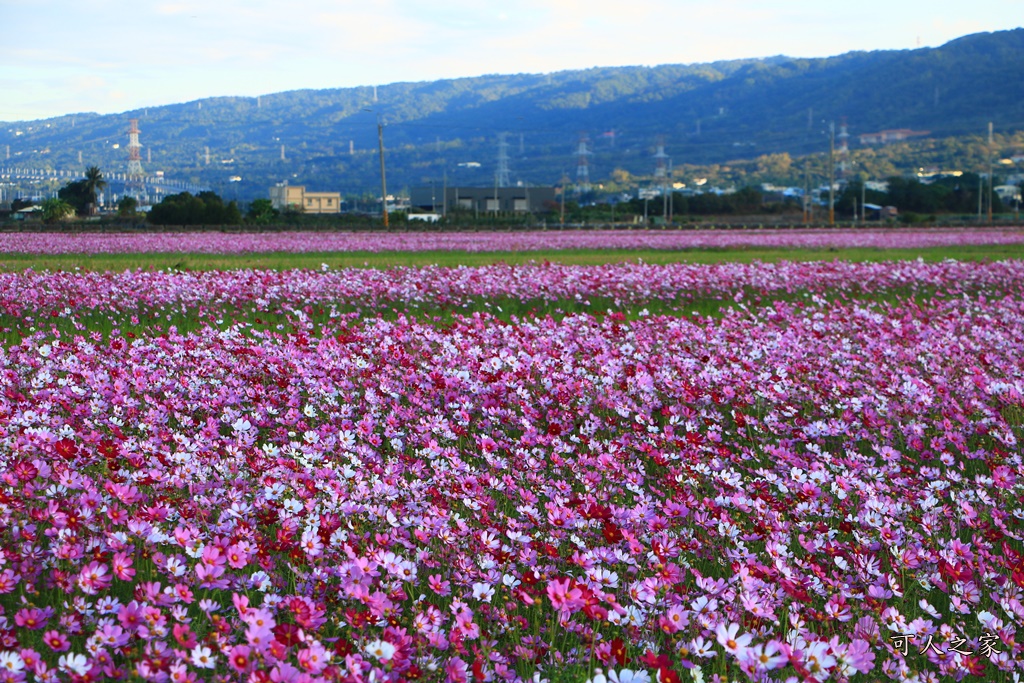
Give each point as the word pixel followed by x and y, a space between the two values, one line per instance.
pixel 583 164
pixel 136 180
pixel 501 178
pixel 844 151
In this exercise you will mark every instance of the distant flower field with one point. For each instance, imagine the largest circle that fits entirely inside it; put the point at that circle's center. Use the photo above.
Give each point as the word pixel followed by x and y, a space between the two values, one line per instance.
pixel 298 242
pixel 822 481
pixel 71 294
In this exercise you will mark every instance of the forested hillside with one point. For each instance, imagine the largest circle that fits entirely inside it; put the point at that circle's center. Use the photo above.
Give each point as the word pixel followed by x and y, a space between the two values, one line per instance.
pixel 711 113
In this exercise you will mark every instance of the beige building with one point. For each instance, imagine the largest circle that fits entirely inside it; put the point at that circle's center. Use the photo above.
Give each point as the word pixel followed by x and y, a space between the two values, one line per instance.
pixel 295 197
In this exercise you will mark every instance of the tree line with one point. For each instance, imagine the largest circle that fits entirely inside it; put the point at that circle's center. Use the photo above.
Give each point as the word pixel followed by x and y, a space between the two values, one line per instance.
pixel 962 194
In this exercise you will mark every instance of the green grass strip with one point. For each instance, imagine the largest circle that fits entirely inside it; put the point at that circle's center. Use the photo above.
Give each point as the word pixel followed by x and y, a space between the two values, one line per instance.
pixel 13 262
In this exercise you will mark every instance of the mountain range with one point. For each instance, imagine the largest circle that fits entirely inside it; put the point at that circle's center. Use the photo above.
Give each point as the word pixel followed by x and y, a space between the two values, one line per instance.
pixel 545 127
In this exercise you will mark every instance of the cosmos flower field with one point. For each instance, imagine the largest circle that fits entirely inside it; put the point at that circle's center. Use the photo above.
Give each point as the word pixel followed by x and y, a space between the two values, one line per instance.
pixel 484 241
pixel 532 473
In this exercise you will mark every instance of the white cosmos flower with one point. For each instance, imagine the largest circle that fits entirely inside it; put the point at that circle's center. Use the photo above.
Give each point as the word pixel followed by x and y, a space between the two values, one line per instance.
pixel 381 649
pixel 629 676
pixel 11 662
pixel 483 591
pixel 203 657
pixel 74 663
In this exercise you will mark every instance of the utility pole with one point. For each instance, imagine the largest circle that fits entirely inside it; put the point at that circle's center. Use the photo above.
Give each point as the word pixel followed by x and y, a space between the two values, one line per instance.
pixel 980 195
pixel 562 209
pixel 863 200
pixel 669 187
pixel 831 174
pixel 383 182
pixel 991 177
pixel 807 191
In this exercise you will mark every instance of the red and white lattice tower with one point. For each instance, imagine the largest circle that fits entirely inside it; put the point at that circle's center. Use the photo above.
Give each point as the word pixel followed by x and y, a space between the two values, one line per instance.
pixel 661 166
pixel 136 179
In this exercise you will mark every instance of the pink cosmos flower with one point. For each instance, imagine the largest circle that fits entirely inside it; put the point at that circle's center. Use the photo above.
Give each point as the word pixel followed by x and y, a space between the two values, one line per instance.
pixel 1004 477
pixel 439 585
pixel 237 557
pixel 675 618
pixel 57 641
pixel 33 617
pixel 122 566
pixel 734 644
pixel 311 543
pixel 314 658
pixel 239 658
pixel 111 635
pixel 564 597
pixel 259 637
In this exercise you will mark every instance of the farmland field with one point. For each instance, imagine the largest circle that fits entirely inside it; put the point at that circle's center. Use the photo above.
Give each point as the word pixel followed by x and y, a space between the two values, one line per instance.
pixel 609 465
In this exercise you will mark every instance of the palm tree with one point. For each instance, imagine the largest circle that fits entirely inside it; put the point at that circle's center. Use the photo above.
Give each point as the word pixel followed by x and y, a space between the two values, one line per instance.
pixel 56 210
pixel 93 182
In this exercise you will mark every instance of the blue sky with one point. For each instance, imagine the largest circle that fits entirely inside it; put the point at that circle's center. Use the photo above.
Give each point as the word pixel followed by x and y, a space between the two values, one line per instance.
pixel 68 56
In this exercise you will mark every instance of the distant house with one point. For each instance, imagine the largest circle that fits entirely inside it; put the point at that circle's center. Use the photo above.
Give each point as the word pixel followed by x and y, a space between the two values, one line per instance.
pixel 884 137
pixel 295 197
pixel 482 199
pixel 27 212
pixel 876 212
pixel 425 217
pixel 1008 193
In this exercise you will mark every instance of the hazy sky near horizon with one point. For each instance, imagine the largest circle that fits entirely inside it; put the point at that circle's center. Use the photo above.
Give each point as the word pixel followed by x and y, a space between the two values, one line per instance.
pixel 68 56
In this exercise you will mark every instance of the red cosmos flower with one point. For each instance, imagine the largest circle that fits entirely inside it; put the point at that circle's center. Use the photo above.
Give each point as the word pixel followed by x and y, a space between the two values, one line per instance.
pixel 955 572
pixel 654 661
pixel 1014 561
pixel 108 449
pixel 66 448
pixel 795 590
pixel 619 651
pixel 286 634
pixel 1018 574
pixel 343 648
pixel 667 675
pixel 974 665
pixel 478 670
pixel 611 532
pixel 595 511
